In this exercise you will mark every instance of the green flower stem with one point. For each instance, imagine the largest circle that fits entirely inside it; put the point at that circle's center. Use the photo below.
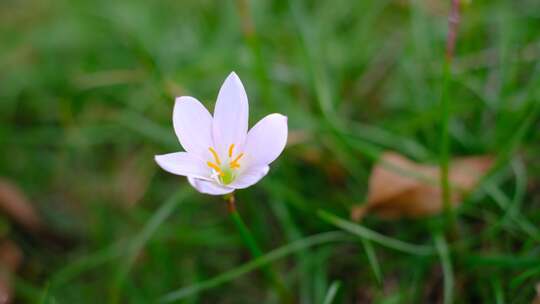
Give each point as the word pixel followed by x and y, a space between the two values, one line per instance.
pixel 255 250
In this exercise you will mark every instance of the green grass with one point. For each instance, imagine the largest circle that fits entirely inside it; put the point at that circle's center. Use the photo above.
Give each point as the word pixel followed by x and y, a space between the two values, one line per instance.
pixel 86 96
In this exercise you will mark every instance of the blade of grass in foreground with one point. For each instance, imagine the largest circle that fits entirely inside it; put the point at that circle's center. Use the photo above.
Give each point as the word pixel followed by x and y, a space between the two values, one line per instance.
pixel 302 258
pixel 374 236
pixel 318 239
pixel 498 291
pixel 504 203
pixel 448 274
pixel 251 243
pixel 331 293
pixel 78 267
pixel 373 261
pixel 143 237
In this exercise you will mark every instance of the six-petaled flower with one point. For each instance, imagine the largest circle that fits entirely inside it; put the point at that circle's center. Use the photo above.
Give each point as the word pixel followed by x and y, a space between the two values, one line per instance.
pixel 221 155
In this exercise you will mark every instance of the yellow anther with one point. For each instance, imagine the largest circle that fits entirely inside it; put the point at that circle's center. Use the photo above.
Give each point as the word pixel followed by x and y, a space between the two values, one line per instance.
pixel 238 157
pixel 234 164
pixel 215 167
pixel 216 157
pixel 231 148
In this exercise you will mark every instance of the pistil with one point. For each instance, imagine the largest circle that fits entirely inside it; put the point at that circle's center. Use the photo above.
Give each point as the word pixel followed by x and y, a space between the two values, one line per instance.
pixel 226 173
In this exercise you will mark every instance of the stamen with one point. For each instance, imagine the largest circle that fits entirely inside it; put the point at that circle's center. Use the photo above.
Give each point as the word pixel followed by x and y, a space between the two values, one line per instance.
pixel 215 167
pixel 234 164
pixel 238 157
pixel 216 157
pixel 231 148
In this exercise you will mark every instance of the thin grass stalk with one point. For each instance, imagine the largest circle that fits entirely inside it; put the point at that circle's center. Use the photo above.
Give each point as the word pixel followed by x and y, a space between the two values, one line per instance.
pixel 256 252
pixel 444 162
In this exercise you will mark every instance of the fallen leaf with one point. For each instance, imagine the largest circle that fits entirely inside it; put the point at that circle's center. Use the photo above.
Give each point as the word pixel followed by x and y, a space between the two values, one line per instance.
pixel 399 187
pixel 10 260
pixel 16 205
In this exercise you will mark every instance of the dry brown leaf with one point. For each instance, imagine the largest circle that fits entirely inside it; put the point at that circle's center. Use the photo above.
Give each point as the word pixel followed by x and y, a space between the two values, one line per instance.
pixel 10 260
pixel 399 187
pixel 16 205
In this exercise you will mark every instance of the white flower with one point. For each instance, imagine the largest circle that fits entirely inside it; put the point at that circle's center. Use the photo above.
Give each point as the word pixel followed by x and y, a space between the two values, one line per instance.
pixel 221 155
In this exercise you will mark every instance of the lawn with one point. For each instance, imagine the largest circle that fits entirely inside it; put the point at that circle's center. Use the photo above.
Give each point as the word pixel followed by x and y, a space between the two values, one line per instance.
pixel 87 90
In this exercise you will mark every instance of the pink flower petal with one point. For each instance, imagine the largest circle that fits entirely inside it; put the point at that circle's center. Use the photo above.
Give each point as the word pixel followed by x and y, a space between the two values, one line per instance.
pixel 183 163
pixel 193 125
pixel 249 177
pixel 266 140
pixel 230 115
pixel 209 187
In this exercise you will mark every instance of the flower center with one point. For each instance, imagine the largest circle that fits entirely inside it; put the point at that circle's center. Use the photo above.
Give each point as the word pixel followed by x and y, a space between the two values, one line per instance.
pixel 225 173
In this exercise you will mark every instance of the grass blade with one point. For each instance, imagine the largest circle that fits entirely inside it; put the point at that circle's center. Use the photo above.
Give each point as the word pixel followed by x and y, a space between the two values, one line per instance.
pixel 331 293
pixel 374 236
pixel 143 237
pixel 318 239
pixel 373 261
pixel 448 274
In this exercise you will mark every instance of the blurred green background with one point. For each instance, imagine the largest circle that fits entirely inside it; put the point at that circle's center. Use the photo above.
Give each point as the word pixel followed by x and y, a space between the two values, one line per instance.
pixel 86 95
